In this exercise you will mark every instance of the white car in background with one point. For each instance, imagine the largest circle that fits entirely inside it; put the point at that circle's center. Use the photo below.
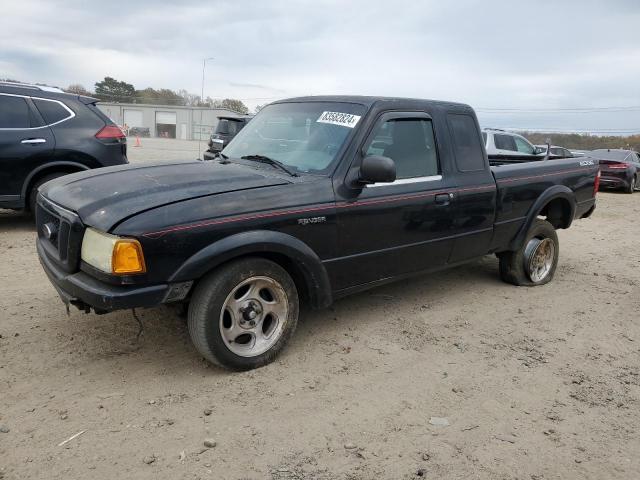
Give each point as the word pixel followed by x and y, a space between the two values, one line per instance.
pixel 556 151
pixel 500 142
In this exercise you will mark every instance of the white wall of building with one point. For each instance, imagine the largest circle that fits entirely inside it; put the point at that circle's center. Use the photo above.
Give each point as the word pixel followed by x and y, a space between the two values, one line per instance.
pixel 190 122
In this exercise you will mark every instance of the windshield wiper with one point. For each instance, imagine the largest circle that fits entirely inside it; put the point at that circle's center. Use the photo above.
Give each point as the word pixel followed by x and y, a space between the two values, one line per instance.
pixel 270 161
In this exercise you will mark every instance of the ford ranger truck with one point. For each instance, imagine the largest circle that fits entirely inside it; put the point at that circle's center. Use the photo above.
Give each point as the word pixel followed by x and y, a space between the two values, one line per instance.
pixel 316 198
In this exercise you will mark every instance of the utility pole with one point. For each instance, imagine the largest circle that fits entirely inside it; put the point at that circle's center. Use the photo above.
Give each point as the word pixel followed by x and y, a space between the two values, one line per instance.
pixel 204 63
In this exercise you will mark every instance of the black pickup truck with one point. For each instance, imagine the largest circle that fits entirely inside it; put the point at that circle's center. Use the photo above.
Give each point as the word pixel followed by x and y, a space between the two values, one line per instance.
pixel 315 199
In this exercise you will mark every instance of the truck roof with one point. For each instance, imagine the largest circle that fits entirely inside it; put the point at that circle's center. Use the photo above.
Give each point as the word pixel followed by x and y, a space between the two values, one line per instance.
pixel 369 101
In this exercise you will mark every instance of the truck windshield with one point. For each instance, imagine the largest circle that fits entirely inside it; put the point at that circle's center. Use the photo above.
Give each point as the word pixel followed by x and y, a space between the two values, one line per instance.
pixel 304 136
pixel 227 127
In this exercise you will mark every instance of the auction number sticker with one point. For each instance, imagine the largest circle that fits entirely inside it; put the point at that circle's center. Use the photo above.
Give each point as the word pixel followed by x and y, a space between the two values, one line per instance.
pixel 337 118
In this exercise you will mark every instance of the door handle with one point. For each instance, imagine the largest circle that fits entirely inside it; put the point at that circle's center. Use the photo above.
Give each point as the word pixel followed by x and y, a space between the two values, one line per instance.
pixel 33 141
pixel 443 198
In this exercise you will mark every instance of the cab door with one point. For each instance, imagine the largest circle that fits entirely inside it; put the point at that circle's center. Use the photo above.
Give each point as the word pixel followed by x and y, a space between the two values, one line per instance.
pixel 390 229
pixel 25 144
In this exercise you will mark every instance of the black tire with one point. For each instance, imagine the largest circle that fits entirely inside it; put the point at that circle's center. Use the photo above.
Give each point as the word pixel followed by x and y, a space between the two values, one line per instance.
pixel 33 193
pixel 206 310
pixel 515 266
pixel 632 185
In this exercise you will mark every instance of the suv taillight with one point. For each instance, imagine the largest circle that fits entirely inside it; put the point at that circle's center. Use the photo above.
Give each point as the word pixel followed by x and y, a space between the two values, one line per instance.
pixel 596 184
pixel 110 132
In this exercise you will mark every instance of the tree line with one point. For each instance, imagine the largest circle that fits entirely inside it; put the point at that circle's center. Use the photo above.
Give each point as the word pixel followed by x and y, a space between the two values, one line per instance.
pixel 576 141
pixel 117 91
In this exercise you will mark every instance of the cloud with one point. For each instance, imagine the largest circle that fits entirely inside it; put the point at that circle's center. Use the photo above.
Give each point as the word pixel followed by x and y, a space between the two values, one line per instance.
pixel 500 53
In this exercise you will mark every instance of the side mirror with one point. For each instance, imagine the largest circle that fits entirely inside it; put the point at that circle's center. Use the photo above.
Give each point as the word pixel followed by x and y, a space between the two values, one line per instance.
pixel 377 169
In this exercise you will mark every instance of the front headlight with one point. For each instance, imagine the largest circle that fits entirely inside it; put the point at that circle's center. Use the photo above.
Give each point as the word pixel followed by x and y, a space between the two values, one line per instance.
pixel 112 254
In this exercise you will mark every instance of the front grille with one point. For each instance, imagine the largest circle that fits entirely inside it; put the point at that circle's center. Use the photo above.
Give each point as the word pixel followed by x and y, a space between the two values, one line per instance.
pixel 60 233
pixel 47 218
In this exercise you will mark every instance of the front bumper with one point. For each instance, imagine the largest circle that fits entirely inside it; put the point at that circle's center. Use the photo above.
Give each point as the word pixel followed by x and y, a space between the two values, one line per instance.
pixel 85 292
pixel 209 156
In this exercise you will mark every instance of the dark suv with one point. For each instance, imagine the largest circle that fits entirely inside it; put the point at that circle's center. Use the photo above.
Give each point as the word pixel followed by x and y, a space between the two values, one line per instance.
pixel 46 133
pixel 227 128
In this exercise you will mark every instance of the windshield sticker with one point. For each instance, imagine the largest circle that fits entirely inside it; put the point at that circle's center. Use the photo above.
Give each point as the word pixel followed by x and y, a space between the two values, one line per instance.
pixel 337 118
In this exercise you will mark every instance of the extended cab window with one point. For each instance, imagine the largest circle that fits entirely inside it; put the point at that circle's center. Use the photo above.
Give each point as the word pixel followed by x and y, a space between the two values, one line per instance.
pixel 14 112
pixel 505 142
pixel 410 143
pixel 524 146
pixel 52 112
pixel 466 143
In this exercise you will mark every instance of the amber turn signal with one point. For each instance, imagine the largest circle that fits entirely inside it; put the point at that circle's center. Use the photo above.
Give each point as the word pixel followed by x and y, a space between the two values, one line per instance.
pixel 127 257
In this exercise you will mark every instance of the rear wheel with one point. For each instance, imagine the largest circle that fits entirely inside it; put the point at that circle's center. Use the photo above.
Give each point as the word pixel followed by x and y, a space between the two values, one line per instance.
pixel 633 184
pixel 536 261
pixel 242 315
pixel 33 193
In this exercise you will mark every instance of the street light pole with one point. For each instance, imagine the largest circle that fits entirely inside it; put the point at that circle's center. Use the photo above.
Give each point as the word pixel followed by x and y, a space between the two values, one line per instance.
pixel 204 63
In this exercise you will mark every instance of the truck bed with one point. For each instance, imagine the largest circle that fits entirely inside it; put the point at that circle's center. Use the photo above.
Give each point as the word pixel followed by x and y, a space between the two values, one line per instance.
pixel 519 183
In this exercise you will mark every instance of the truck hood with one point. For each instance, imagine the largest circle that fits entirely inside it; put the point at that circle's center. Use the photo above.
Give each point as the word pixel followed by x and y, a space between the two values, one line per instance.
pixel 104 197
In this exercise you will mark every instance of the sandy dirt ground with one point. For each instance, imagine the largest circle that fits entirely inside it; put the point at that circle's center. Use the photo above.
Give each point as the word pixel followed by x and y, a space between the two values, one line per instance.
pixel 534 383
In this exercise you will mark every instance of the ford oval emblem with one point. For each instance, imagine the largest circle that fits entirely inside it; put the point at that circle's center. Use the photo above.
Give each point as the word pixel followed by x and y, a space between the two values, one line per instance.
pixel 49 231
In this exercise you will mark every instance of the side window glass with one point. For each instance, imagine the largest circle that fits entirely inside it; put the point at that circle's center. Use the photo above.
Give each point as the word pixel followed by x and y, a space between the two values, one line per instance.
pixel 52 112
pixel 524 146
pixel 466 143
pixel 382 139
pixel 14 112
pixel 505 142
pixel 410 143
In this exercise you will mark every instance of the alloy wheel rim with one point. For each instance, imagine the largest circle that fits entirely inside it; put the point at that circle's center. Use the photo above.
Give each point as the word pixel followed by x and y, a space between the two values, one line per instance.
pixel 253 316
pixel 539 255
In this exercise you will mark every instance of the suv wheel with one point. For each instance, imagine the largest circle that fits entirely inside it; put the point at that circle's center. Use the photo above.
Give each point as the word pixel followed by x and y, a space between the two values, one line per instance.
pixel 33 193
pixel 242 315
pixel 536 261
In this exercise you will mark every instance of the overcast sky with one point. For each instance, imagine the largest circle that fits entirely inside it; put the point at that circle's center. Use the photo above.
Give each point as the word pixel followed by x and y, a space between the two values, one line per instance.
pixel 573 60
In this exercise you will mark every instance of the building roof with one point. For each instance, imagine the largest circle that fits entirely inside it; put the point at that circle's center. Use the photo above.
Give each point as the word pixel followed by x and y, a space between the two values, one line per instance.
pixel 177 107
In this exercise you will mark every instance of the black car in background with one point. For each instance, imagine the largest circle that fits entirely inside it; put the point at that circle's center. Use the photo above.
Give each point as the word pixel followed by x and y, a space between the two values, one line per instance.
pixel 227 128
pixel 620 169
pixel 46 133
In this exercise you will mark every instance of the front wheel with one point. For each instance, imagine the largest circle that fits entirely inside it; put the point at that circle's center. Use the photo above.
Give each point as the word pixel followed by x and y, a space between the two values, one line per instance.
pixel 242 315
pixel 536 261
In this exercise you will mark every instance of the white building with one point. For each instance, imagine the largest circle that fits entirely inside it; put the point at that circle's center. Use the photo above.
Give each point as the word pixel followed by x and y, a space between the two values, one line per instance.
pixel 168 121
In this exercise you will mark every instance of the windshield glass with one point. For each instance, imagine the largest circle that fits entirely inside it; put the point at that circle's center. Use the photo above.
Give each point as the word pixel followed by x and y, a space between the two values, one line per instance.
pixel 227 127
pixel 304 136
pixel 612 154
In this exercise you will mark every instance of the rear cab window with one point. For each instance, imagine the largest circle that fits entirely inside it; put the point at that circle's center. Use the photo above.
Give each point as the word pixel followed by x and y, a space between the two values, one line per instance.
pixel 466 143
